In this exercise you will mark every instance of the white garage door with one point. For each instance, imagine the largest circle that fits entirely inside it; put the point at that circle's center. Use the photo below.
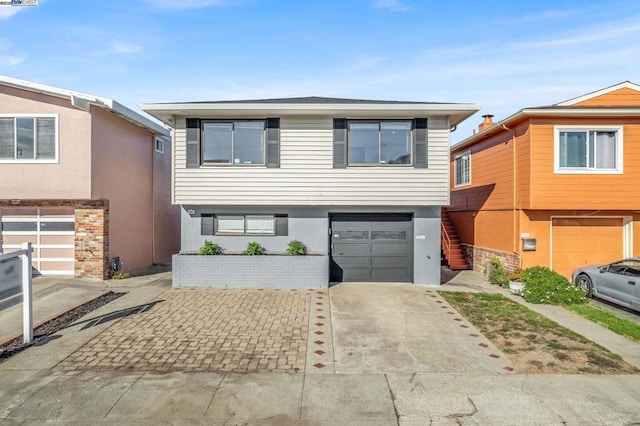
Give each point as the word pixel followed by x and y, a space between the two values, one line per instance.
pixel 51 233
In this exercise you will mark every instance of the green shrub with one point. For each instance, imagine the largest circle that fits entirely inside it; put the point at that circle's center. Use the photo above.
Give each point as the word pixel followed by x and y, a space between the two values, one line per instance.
pixel 119 275
pixel 497 274
pixel 542 285
pixel 210 249
pixel 254 249
pixel 296 248
pixel 516 275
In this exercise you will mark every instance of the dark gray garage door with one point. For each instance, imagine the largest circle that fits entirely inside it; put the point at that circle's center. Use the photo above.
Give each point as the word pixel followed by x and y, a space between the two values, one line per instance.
pixel 371 247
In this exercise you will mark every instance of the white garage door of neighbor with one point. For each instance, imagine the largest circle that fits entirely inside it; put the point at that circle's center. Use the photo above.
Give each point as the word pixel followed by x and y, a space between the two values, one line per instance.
pixel 51 233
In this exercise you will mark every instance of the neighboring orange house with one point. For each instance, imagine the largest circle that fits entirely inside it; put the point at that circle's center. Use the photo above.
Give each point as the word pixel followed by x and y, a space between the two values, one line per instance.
pixel 555 186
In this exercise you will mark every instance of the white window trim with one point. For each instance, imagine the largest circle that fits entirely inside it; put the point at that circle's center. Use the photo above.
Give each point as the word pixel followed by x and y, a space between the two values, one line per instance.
pixel 245 233
pixel 586 171
pixel 232 164
pixel 455 170
pixel 162 141
pixel 379 164
pixel 56 158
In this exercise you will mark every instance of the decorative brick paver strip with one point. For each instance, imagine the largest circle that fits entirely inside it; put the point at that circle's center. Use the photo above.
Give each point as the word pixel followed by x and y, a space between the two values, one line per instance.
pixel 206 330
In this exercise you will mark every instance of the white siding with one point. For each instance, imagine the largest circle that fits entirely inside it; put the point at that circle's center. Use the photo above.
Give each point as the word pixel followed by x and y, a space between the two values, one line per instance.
pixel 306 175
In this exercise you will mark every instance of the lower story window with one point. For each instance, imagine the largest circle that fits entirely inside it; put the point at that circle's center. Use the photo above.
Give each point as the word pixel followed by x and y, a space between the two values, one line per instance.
pixel 245 225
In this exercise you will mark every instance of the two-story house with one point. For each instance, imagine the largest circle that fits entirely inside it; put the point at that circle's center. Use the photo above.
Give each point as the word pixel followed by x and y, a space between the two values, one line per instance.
pixel 84 179
pixel 555 186
pixel 358 181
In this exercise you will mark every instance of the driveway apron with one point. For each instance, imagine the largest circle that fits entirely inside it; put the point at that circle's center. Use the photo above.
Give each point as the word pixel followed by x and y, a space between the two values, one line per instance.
pixel 403 328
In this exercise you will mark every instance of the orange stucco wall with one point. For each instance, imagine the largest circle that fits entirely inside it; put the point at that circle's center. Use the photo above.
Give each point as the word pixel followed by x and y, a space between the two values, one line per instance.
pixel 71 176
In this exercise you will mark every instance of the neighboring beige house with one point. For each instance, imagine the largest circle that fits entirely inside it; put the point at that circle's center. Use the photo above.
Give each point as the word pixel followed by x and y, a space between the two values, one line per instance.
pixel 84 179
pixel 360 182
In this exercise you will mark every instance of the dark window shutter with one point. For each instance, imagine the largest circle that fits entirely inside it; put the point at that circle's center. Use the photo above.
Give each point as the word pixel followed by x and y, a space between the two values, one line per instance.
pixel 420 143
pixel 273 142
pixel 282 225
pixel 206 224
pixel 193 142
pixel 339 143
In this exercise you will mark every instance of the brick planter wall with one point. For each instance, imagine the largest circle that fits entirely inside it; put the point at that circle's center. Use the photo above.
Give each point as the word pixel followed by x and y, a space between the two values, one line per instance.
pixel 479 257
pixel 223 271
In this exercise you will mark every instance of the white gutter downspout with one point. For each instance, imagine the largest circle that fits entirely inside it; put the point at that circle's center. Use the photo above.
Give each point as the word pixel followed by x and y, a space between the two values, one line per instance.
pixel 515 179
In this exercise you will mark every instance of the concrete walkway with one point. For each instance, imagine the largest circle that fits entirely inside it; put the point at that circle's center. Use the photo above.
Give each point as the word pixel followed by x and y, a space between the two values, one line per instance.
pixel 392 355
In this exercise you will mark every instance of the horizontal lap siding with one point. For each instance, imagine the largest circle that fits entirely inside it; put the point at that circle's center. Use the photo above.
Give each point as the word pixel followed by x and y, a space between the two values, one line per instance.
pixel 306 175
pixel 621 97
pixel 584 191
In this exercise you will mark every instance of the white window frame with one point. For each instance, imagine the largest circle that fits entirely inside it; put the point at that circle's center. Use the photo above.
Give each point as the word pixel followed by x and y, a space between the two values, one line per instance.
pixel 159 145
pixel 587 170
pixel 233 143
pixel 246 232
pixel 54 160
pixel 379 123
pixel 455 169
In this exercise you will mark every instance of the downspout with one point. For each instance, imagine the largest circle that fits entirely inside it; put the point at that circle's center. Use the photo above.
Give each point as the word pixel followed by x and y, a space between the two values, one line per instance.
pixel 515 179
pixel 153 199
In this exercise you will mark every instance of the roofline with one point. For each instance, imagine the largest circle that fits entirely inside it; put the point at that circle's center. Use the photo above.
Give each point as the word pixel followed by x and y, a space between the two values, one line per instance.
pixel 84 101
pixel 625 84
pixel 537 112
pixel 163 111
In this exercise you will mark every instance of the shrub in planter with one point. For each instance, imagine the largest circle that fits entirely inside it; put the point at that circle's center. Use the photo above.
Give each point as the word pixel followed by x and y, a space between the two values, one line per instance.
pixel 542 285
pixel 497 274
pixel 296 248
pixel 209 249
pixel 254 249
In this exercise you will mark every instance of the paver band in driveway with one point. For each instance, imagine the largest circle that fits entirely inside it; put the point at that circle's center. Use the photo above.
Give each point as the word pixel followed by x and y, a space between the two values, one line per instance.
pixel 206 330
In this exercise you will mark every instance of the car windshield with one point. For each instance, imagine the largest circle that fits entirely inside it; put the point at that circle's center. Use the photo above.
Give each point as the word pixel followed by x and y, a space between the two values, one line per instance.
pixel 627 267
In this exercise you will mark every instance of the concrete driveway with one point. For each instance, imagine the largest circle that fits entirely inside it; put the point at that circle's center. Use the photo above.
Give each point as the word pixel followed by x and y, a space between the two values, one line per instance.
pixel 374 354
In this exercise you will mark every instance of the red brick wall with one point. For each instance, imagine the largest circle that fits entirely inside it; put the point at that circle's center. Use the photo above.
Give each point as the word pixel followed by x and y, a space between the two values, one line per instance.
pixel 479 257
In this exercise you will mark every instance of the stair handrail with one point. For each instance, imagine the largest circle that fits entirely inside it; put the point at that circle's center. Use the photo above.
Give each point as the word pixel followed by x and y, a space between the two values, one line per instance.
pixel 446 241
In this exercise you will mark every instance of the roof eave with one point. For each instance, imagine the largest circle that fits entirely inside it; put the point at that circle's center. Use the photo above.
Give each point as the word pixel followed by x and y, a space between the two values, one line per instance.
pixel 557 112
pixel 457 112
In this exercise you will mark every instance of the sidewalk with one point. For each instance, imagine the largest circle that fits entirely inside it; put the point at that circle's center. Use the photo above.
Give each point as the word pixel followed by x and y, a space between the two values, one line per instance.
pixel 34 390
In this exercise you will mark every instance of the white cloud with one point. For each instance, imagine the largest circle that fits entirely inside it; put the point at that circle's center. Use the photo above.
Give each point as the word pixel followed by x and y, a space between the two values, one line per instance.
pixel 11 60
pixel 184 4
pixel 7 12
pixel 120 47
pixel 392 5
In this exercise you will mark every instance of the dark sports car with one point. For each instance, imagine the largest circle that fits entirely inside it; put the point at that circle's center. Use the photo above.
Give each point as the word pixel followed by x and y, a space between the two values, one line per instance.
pixel 617 282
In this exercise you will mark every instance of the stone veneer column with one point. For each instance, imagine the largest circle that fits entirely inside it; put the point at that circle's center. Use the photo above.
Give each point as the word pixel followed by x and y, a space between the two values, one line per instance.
pixel 92 241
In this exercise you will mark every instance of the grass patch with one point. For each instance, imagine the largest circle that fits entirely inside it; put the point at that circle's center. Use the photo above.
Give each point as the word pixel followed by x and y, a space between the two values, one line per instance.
pixel 609 320
pixel 534 343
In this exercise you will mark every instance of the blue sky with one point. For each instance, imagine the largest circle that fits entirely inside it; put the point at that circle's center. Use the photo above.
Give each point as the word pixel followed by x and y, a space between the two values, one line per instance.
pixel 505 55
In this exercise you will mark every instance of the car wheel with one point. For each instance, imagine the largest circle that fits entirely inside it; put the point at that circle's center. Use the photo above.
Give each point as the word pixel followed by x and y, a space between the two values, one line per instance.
pixel 584 282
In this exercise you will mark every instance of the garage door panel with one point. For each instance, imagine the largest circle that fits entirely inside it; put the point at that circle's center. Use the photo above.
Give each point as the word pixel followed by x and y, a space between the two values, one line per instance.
pixel 352 249
pixel 391 249
pixel 389 261
pixel 371 247
pixel 582 241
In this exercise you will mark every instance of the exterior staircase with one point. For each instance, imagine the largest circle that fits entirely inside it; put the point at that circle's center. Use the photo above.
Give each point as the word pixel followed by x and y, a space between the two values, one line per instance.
pixel 451 244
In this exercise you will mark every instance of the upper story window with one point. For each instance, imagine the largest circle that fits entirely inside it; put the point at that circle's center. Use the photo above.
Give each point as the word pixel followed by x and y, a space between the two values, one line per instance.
pixel 160 145
pixel 588 149
pixel 28 139
pixel 233 142
pixel 462 169
pixel 379 143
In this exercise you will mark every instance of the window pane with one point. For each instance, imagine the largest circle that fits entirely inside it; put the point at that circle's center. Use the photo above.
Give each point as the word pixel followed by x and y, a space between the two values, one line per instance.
pixel 260 225
pixel 6 138
pixel 363 143
pixel 605 151
pixel 19 226
pixel 217 142
pixel 395 142
pixel 46 138
pixel 230 224
pixel 462 170
pixel 56 226
pixel 573 149
pixel 25 138
pixel 248 138
pixel 388 235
